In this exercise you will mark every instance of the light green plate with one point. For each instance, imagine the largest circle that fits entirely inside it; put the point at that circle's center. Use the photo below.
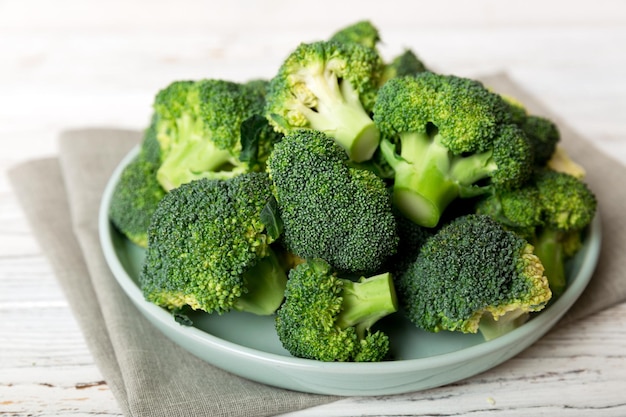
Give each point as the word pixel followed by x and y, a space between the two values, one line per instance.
pixel 247 345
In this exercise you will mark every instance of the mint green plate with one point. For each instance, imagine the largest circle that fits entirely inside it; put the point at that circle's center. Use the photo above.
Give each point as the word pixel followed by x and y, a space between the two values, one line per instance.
pixel 247 345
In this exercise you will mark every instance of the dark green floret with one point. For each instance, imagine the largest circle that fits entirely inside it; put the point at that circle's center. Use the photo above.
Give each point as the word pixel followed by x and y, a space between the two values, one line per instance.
pixel 137 193
pixel 473 275
pixel 407 63
pixel 199 126
pixel 362 32
pixel 447 137
pixel 542 133
pixel 329 209
pixel 209 248
pixel 329 318
pixel 331 87
pixel 552 211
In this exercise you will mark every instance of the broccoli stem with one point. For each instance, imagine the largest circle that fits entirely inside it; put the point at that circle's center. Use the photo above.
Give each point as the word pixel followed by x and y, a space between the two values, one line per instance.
pixel 366 301
pixel 549 249
pixel 422 188
pixel 264 287
pixel 491 328
pixel 191 158
pixel 339 113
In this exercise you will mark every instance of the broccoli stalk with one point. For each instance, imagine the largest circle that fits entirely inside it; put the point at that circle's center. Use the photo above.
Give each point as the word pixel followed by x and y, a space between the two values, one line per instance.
pixel 456 141
pixel 199 128
pixel 549 248
pixel 329 87
pixel 338 112
pixel 264 285
pixel 329 318
pixel 365 302
pixel 191 155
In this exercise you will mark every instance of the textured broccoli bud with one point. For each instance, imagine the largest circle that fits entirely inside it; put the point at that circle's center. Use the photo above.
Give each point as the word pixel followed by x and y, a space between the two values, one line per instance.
pixel 446 138
pixel 329 87
pixel 329 318
pixel 473 275
pixel 329 209
pixel 199 125
pixel 209 248
pixel 137 192
pixel 552 211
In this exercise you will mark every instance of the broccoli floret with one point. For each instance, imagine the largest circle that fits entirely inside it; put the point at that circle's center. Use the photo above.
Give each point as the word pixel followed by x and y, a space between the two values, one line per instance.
pixel 407 63
pixel 330 87
pixel 209 248
pixel 455 139
pixel 199 126
pixel 473 275
pixel 329 318
pixel 329 209
pixel 542 133
pixel 362 33
pixel 551 211
pixel 137 192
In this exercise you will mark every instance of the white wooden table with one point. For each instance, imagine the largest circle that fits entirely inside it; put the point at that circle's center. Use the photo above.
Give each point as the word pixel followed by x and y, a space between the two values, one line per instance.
pixel 73 63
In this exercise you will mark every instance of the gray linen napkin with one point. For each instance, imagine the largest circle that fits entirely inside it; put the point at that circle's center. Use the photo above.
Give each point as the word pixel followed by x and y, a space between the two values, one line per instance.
pixel 151 376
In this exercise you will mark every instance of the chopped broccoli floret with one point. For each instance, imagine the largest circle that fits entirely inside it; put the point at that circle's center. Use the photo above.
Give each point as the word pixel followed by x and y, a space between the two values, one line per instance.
pixel 137 192
pixel 542 133
pixel 551 211
pixel 198 128
pixel 407 63
pixel 455 139
pixel 329 209
pixel 329 318
pixel 473 275
pixel 209 248
pixel 330 87
pixel 362 32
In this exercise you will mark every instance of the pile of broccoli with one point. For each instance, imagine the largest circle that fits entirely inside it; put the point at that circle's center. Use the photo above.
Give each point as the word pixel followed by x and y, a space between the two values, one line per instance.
pixel 347 189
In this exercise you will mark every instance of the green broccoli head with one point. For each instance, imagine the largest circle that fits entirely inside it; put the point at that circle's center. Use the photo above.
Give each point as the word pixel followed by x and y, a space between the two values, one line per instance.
pixel 329 209
pixel 198 128
pixel 407 63
pixel 137 192
pixel 330 87
pixel 329 318
pixel 209 246
pixel 362 32
pixel 473 275
pixel 542 133
pixel 135 198
pixel 447 137
pixel 551 211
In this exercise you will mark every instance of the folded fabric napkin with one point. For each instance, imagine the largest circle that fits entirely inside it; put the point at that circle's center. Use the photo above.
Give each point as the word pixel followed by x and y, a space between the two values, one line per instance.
pixel 152 376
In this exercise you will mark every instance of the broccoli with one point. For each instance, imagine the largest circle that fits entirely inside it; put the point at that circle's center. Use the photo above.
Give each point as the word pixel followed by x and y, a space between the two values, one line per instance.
pixel 137 192
pixel 407 63
pixel 329 209
pixel 329 318
pixel 331 87
pixel 551 211
pixel 473 275
pixel 209 247
pixel 542 133
pixel 362 32
pixel 198 128
pixel 455 139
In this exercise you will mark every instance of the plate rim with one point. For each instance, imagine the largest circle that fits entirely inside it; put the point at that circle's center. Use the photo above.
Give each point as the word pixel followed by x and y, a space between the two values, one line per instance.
pixel 534 329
